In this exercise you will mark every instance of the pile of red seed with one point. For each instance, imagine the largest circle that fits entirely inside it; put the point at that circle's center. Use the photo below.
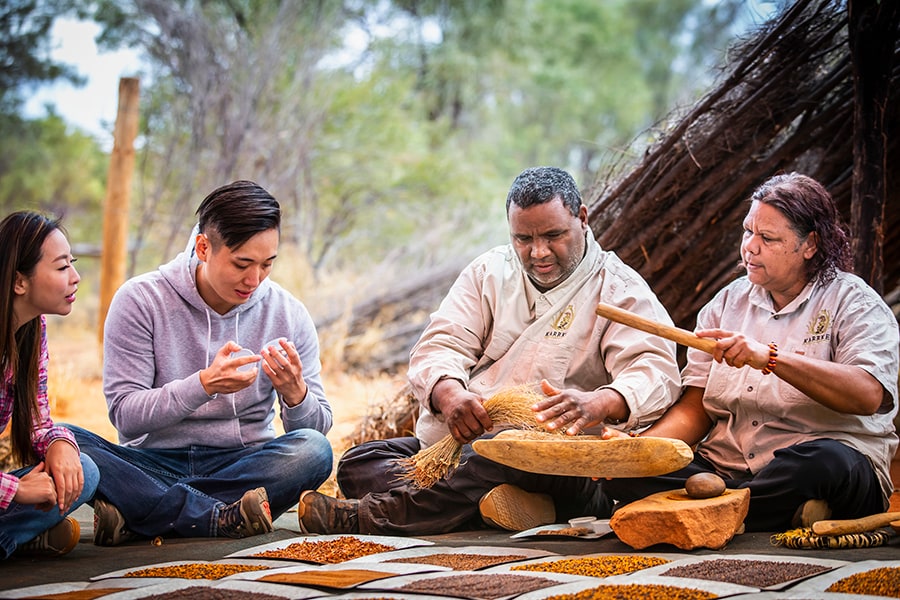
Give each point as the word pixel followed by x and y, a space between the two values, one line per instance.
pixel 327 551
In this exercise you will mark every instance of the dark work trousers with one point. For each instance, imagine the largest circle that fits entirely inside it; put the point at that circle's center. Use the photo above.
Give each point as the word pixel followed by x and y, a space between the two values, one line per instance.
pixel 390 506
pixel 820 469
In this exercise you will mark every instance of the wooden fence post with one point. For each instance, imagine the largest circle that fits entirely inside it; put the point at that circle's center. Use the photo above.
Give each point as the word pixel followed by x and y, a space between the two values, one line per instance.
pixel 114 253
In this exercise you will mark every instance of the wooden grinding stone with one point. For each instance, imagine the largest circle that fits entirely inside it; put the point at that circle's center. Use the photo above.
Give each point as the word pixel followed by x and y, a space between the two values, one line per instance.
pixel 674 518
pixel 585 455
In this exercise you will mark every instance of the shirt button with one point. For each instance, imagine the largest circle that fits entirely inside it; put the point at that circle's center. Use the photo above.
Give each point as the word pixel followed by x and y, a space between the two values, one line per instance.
pixel 751 455
pixel 749 388
pixel 755 423
pixel 775 317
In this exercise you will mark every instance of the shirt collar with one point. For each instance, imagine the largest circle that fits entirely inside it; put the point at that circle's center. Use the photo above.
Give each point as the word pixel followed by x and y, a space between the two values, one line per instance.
pixel 761 298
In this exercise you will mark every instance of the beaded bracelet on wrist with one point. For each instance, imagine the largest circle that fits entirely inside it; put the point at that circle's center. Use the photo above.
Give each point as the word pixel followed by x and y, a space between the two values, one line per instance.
pixel 773 359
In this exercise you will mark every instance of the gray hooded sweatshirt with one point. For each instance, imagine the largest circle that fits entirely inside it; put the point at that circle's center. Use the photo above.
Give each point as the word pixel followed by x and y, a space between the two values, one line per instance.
pixel 160 334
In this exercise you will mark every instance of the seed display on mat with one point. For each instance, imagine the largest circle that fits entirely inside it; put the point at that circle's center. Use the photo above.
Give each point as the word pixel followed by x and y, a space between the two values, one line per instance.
pixel 479 585
pixel 883 581
pixel 195 570
pixel 572 531
pixel 327 551
pixel 208 593
pixel 645 591
pixel 753 573
pixel 595 566
pixel 460 561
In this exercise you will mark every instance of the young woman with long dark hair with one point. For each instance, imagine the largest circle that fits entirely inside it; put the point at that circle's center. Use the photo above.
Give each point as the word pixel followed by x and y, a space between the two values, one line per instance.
pixel 37 278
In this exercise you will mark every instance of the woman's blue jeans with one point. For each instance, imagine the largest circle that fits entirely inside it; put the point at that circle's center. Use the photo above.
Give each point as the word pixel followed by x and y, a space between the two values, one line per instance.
pixel 21 523
pixel 180 491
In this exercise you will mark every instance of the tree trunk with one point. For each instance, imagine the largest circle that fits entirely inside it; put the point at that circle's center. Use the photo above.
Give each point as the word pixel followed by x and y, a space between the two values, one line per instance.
pixel 872 37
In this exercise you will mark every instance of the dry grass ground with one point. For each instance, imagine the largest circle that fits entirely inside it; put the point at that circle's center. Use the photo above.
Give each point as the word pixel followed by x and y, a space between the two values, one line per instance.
pixel 76 390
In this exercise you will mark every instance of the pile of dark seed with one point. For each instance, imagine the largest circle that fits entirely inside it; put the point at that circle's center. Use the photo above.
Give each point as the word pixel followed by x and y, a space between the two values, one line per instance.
pixel 210 593
pixel 753 573
pixel 479 585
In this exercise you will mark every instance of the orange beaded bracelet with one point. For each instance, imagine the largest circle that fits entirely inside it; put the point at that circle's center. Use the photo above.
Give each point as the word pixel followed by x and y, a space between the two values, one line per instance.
pixel 773 359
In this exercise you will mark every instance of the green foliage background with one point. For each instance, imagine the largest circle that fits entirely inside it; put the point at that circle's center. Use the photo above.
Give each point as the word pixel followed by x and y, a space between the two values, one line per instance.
pixel 389 156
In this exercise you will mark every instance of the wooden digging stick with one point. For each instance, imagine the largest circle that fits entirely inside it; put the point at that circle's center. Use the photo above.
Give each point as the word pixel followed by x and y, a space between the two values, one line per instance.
pixel 679 336
pixel 843 526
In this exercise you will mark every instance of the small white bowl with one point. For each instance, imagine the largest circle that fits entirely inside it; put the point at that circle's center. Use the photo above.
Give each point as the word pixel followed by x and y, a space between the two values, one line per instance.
pixel 239 354
pixel 276 343
pixel 582 522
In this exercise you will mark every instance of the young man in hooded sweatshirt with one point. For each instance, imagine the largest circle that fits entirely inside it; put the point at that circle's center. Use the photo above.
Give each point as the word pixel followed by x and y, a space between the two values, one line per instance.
pixel 196 354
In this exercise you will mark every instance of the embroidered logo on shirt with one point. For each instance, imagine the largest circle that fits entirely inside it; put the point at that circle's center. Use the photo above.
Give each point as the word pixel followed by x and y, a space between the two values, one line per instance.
pixel 819 328
pixel 562 322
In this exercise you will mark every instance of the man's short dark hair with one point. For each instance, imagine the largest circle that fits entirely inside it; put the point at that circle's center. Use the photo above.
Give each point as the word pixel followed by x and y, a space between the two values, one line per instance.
pixel 538 185
pixel 236 212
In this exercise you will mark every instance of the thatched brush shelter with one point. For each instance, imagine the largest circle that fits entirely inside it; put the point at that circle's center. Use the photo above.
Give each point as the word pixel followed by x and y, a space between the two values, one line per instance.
pixel 790 100
pixel 786 105
pixel 786 102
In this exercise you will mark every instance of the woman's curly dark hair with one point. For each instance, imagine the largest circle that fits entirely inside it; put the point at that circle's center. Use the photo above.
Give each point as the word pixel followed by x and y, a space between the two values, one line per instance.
pixel 809 208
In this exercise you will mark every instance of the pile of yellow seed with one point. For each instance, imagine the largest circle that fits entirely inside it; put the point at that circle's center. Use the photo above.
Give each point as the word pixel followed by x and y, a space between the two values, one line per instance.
pixel 595 566
pixel 643 591
pixel 884 581
pixel 195 570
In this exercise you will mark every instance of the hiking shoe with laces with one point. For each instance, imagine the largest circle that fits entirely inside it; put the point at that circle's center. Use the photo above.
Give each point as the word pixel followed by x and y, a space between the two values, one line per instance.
pixel 809 512
pixel 109 525
pixel 318 513
pixel 56 541
pixel 248 516
pixel 512 508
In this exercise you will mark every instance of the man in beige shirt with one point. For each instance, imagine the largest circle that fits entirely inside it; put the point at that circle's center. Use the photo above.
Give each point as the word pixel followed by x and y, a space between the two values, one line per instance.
pixel 523 313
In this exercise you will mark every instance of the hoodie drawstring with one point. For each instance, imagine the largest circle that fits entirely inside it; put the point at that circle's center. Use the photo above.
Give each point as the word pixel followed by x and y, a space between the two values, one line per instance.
pixel 208 335
pixel 237 319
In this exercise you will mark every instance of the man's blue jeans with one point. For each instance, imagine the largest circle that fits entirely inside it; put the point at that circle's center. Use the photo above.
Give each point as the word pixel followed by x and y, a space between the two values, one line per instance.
pixel 21 523
pixel 180 491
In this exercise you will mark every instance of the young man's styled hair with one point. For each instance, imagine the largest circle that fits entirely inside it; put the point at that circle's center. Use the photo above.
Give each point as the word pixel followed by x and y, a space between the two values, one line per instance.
pixel 234 213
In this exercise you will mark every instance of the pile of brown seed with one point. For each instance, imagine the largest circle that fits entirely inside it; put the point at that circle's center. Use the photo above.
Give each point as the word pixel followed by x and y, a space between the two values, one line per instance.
pixel 195 570
pixel 327 551
pixel 754 573
pixel 573 531
pixel 644 591
pixel 595 566
pixel 883 581
pixel 461 561
pixel 479 585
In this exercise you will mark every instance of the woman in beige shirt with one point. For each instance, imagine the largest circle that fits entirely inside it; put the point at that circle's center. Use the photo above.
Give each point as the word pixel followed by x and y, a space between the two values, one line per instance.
pixel 797 401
